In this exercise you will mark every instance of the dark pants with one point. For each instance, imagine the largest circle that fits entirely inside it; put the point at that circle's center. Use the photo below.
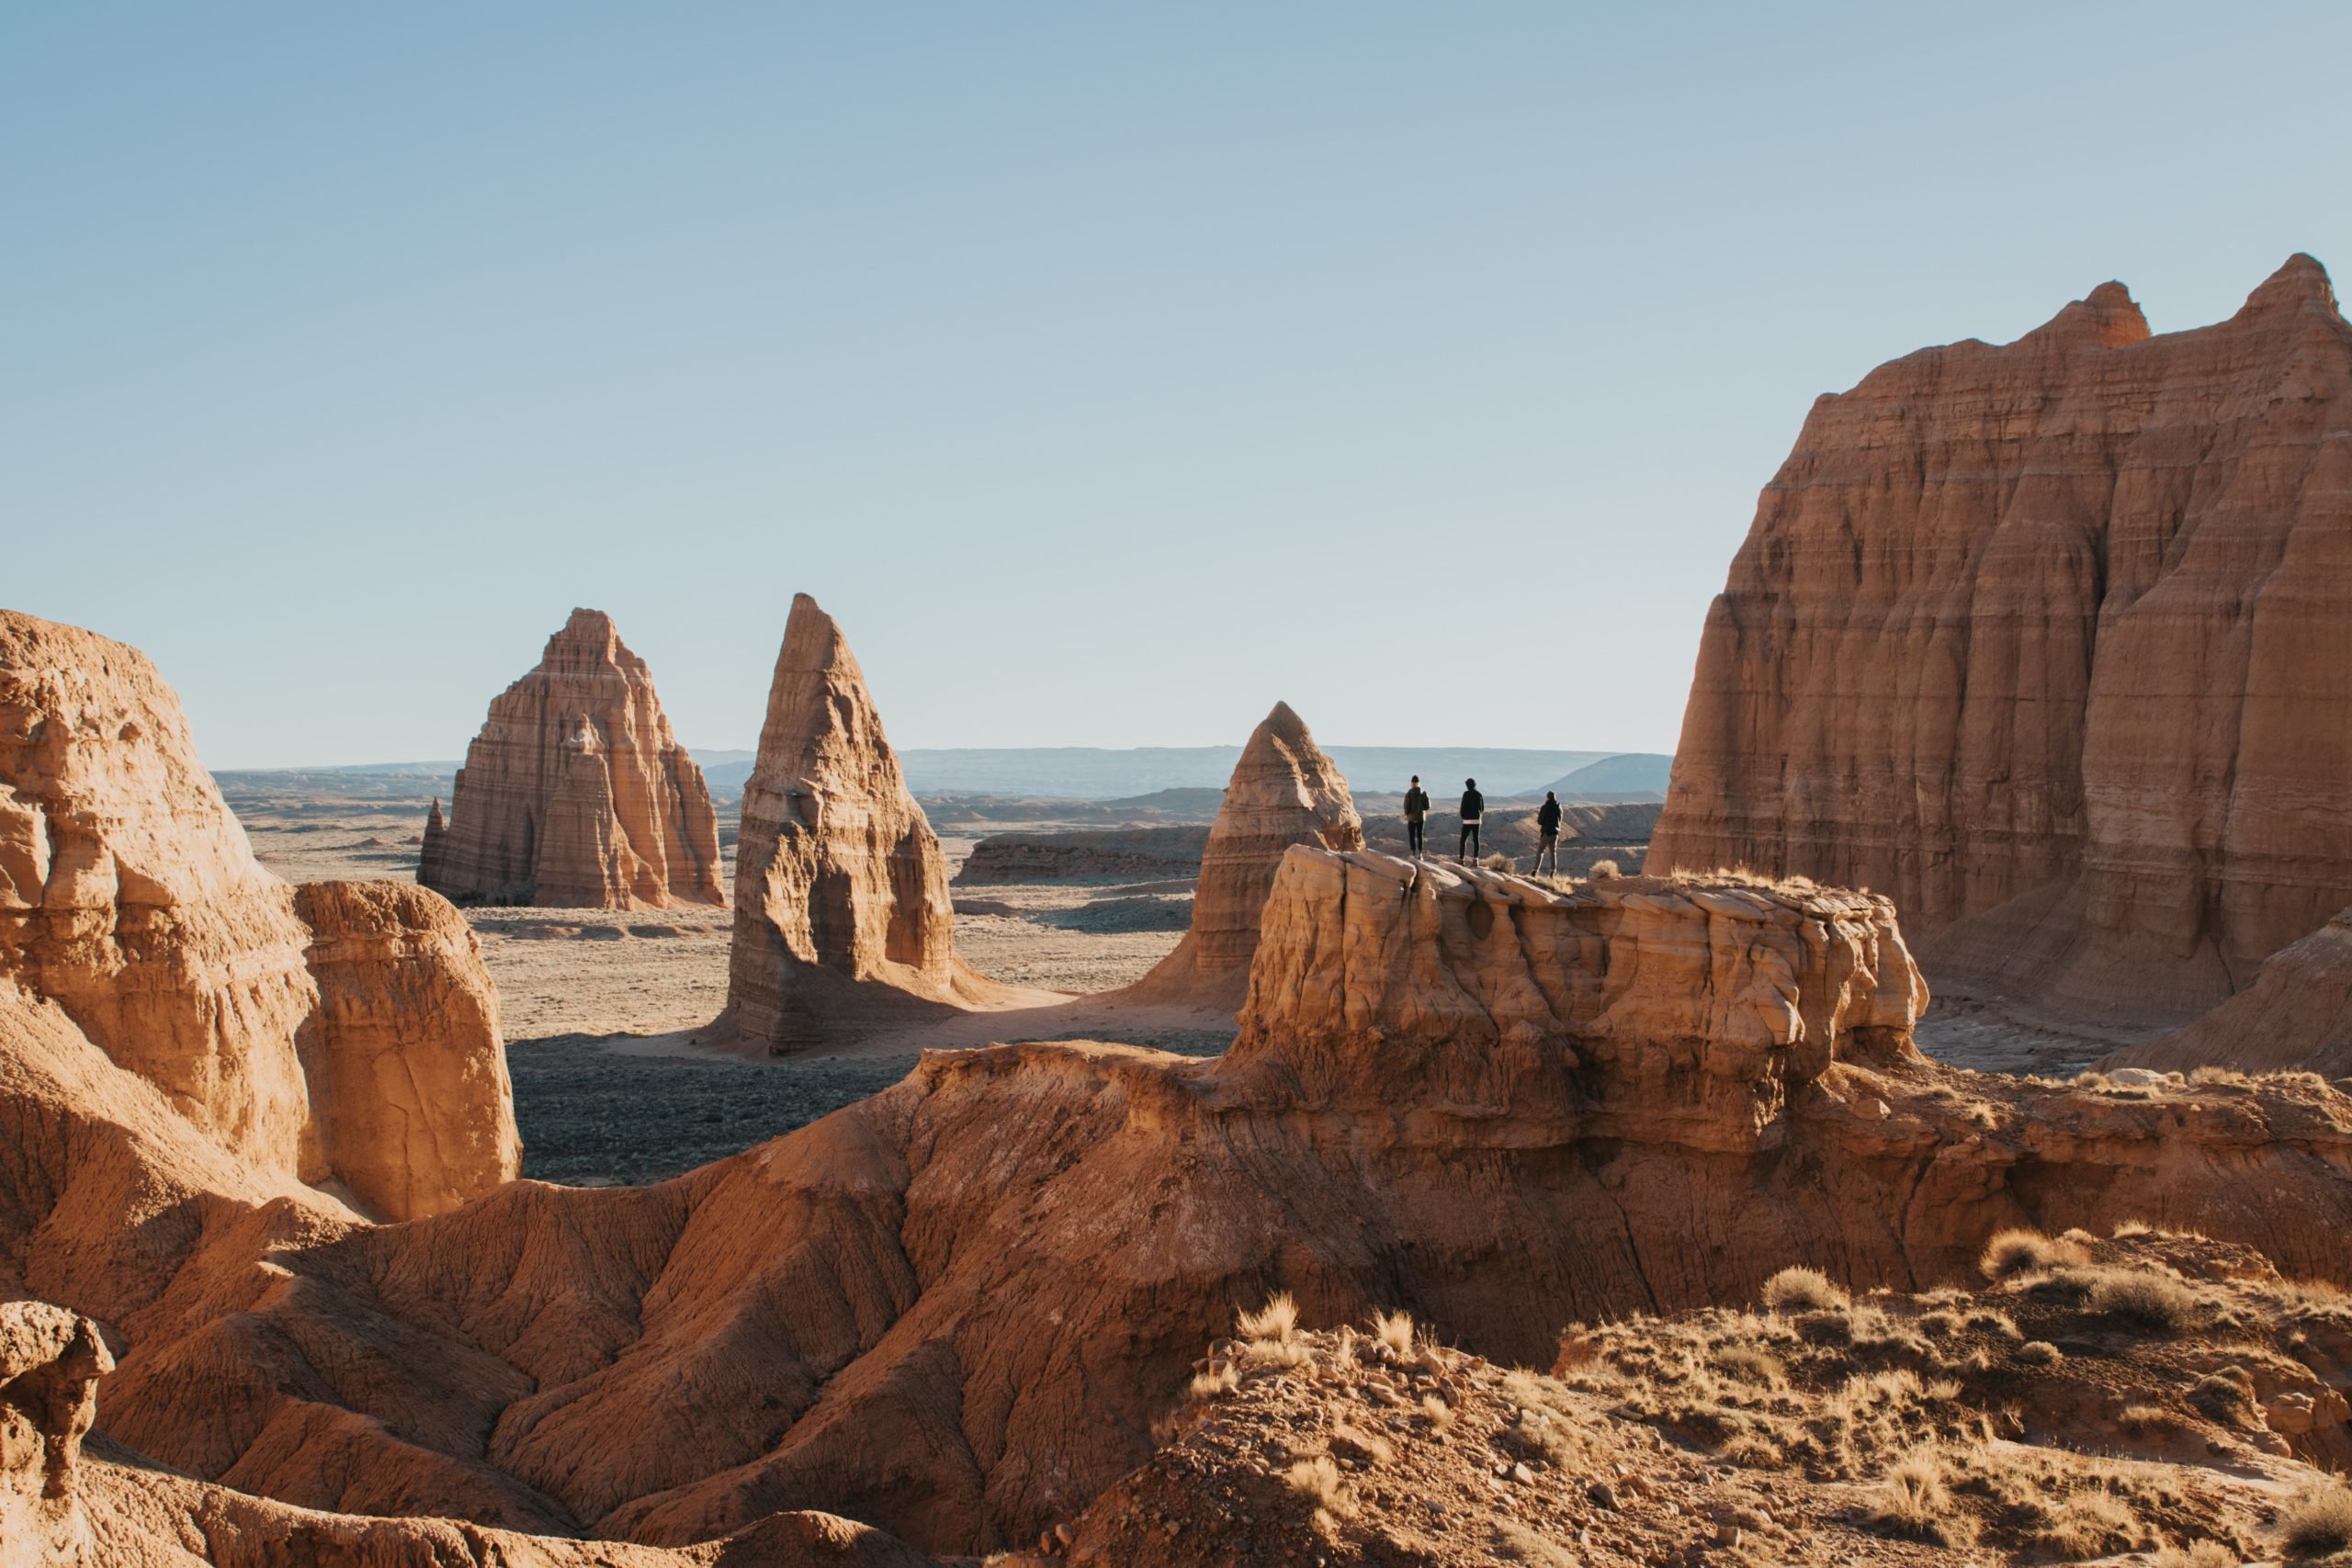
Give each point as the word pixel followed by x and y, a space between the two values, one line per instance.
pixel 1413 833
pixel 1549 850
pixel 1469 844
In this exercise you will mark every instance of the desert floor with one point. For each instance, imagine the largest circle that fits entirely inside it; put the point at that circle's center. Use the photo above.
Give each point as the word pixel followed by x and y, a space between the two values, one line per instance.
pixel 607 1014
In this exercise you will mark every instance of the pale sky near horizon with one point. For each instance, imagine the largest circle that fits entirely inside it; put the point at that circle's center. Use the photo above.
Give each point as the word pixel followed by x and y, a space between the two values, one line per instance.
pixel 1108 371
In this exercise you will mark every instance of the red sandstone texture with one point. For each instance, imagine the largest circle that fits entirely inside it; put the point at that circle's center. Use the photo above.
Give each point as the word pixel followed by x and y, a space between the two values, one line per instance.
pixel 2052 642
pixel 575 792
pixel 2296 1017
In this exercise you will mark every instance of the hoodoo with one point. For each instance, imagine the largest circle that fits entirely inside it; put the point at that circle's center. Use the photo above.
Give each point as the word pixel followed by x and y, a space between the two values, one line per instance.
pixel 575 792
pixel 1283 791
pixel 841 907
pixel 2052 641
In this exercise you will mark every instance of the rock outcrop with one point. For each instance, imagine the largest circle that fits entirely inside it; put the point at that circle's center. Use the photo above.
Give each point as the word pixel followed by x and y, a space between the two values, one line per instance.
pixel 1498 1107
pixel 2296 1017
pixel 1283 791
pixel 130 897
pixel 134 917
pixel 406 1071
pixel 2052 642
pixel 842 909
pixel 575 793
pixel 51 1361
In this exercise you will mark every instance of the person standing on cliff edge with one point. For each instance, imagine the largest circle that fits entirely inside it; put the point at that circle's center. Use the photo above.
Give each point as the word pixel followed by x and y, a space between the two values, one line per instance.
pixel 1474 805
pixel 1417 805
pixel 1547 824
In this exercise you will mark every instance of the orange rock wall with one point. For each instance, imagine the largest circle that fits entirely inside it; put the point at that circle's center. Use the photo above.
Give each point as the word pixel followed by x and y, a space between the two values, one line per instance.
pixel 2052 642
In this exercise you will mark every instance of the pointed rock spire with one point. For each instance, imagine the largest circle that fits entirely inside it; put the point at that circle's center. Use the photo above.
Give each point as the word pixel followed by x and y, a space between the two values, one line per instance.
pixel 841 907
pixel 1283 791
pixel 575 792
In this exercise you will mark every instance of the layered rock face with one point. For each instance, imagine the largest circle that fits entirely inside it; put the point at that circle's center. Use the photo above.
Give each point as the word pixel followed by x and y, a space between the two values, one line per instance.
pixel 2296 1017
pixel 841 907
pixel 406 1070
pixel 2051 642
pixel 1499 1108
pixel 1283 791
pixel 575 792
pixel 132 904
pixel 128 894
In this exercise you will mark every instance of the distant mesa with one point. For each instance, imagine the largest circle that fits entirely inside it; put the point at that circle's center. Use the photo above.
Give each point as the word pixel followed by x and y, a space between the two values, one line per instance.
pixel 842 915
pixel 2052 642
pixel 575 793
pixel 1632 775
pixel 1283 791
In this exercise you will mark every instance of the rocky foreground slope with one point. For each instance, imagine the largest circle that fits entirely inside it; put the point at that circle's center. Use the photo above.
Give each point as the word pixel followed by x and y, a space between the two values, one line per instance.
pixel 2051 642
pixel 575 793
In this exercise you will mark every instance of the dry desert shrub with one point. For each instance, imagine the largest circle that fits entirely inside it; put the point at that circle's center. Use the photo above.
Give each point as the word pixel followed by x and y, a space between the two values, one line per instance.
pixel 1278 1319
pixel 2318 1524
pixel 2013 1252
pixel 2037 1353
pixel 1318 1478
pixel 2144 1300
pixel 1393 1330
pixel 2227 1396
pixel 2198 1554
pixel 1499 862
pixel 1798 1289
pixel 1749 1364
pixel 1604 871
pixel 1914 1502
pixel 2148 1420
pixel 1221 1378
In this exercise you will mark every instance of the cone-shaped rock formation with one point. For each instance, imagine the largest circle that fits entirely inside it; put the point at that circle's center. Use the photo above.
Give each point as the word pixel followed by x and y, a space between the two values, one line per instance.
pixel 575 793
pixel 2052 641
pixel 841 907
pixel 1283 791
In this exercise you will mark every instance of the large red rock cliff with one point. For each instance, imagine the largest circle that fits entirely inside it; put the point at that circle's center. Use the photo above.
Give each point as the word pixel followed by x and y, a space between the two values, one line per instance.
pixel 2052 642
pixel 575 792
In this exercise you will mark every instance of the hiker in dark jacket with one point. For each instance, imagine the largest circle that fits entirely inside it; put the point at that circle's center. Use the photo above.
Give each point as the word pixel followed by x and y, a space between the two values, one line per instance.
pixel 1547 823
pixel 1474 805
pixel 1417 805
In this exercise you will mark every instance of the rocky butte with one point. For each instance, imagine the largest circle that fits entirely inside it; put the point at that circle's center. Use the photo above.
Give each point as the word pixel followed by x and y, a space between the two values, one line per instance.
pixel 843 915
pixel 2052 642
pixel 575 793
pixel 1283 791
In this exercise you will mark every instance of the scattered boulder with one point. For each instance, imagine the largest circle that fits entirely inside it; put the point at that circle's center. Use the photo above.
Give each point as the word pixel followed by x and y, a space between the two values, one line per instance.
pixel 2047 642
pixel 1283 791
pixel 841 907
pixel 575 793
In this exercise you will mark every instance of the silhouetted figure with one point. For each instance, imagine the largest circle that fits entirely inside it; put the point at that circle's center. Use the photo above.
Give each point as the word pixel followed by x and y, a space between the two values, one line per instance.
pixel 1417 805
pixel 1474 805
pixel 1547 824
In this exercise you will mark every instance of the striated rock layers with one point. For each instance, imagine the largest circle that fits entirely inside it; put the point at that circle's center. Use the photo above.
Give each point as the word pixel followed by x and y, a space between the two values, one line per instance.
pixel 841 907
pixel 406 1070
pixel 575 792
pixel 2296 1017
pixel 2052 641
pixel 955 1310
pixel 134 918
pixel 1283 791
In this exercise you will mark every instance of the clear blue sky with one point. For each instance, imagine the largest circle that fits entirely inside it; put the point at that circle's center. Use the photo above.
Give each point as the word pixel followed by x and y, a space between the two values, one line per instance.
pixel 1108 370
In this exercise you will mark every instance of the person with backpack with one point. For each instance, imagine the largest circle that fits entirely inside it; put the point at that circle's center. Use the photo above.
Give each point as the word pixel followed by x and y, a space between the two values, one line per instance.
pixel 1417 807
pixel 1474 807
pixel 1547 824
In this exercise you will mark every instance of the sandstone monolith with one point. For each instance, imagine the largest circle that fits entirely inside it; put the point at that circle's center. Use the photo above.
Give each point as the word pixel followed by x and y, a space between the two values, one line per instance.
pixel 2052 641
pixel 575 792
pixel 841 908
pixel 1283 791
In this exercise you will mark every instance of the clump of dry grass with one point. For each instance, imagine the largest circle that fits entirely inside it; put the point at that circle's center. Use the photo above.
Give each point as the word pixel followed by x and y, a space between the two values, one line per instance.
pixel 1220 1378
pixel 2144 1300
pixel 2198 1554
pixel 1914 1502
pixel 1604 871
pixel 2037 1353
pixel 1278 1319
pixel 2317 1524
pixel 2019 1251
pixel 1440 1412
pixel 1749 1364
pixel 1395 1331
pixel 2227 1396
pixel 1319 1479
pixel 1799 1288
pixel 2148 1420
